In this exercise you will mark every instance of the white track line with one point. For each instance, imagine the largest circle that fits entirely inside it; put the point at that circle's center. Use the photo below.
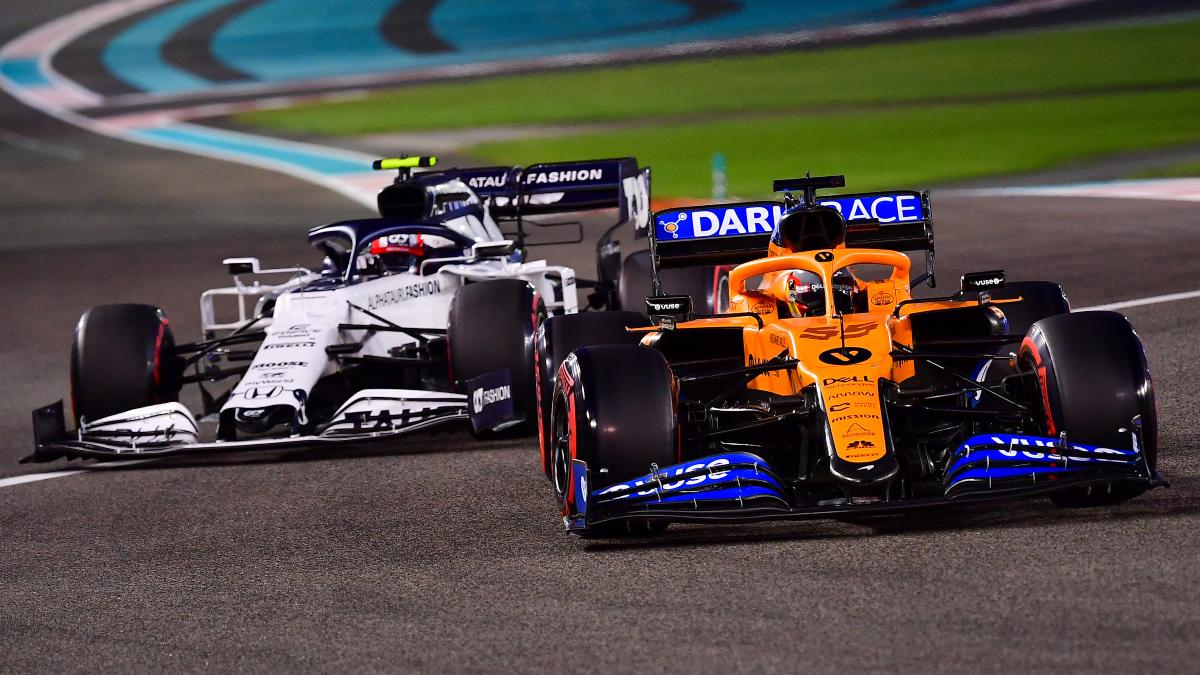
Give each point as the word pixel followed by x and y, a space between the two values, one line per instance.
pixel 1138 302
pixel 1161 189
pixel 35 477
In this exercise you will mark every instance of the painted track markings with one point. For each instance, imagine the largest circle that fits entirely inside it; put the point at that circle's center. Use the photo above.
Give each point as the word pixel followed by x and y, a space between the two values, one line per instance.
pixel 1139 302
pixel 1162 189
pixel 47 475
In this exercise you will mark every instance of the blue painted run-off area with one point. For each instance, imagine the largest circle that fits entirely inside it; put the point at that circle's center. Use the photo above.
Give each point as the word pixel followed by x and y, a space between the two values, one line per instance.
pixel 277 40
pixel 24 72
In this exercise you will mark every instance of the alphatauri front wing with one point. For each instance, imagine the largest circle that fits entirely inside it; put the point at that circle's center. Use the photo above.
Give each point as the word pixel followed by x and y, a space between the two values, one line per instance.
pixel 170 429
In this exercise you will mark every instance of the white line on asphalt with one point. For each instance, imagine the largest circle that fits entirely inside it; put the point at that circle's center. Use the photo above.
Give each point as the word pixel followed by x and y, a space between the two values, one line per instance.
pixel 1161 189
pixel 1138 302
pixel 34 477
pixel 40 147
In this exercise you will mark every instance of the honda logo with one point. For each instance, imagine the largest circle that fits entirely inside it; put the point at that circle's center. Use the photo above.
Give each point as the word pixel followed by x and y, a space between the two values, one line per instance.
pixel 263 392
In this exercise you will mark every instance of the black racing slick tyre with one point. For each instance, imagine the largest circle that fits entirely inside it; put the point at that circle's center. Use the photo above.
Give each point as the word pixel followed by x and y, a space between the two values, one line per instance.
pixel 1094 380
pixel 1039 300
pixel 557 337
pixel 122 358
pixel 492 328
pixel 635 283
pixel 702 284
pixel 615 409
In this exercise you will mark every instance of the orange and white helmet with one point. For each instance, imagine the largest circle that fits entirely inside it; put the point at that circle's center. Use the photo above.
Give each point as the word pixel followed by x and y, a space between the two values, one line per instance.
pixel 806 293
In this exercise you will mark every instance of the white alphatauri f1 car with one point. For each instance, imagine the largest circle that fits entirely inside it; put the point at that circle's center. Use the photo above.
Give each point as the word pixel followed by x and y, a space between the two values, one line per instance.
pixel 422 317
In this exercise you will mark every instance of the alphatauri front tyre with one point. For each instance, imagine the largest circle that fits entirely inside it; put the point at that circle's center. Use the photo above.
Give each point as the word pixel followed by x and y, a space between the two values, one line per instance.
pixel 492 328
pixel 122 358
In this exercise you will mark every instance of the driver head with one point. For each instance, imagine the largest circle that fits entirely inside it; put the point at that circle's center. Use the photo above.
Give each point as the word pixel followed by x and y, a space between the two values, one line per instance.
pixel 808 228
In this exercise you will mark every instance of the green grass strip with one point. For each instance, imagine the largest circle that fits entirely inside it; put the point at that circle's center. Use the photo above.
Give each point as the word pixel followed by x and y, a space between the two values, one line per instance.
pixel 1016 65
pixel 894 148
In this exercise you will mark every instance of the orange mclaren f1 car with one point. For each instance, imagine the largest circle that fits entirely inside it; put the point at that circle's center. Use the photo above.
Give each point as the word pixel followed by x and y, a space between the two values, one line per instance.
pixel 827 388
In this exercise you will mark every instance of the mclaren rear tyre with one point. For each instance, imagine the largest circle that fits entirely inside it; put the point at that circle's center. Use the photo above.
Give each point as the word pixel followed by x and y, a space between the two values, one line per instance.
pixel 615 409
pixel 1094 381
pixel 122 358
pixel 702 284
pixel 492 328
pixel 1039 300
pixel 557 337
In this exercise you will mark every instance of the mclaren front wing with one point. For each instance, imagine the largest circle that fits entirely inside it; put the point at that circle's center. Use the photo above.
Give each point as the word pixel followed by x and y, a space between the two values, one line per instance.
pixel 741 486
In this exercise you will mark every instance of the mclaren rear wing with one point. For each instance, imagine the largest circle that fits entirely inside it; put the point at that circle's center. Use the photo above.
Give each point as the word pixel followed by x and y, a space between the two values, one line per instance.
pixel 731 234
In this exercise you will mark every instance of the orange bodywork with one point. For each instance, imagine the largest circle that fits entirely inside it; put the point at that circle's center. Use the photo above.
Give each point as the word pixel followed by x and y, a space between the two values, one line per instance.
pixel 846 376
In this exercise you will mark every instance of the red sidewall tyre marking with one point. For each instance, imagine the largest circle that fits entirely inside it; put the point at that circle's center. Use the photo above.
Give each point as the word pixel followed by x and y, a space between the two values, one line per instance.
pixel 158 340
pixel 1044 384
pixel 564 376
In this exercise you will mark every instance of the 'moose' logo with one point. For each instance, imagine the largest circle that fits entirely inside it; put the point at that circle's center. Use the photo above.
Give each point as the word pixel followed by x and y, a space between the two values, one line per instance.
pixel 281 364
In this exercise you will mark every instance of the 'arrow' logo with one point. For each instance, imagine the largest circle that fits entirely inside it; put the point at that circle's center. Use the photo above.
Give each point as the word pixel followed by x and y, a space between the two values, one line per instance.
pixel 847 356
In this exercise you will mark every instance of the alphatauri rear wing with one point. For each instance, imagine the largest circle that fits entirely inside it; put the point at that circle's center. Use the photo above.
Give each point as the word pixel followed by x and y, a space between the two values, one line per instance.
pixel 565 187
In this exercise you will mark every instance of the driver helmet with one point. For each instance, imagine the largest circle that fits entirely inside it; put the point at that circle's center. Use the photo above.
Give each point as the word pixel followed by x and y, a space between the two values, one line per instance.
pixel 394 253
pixel 806 293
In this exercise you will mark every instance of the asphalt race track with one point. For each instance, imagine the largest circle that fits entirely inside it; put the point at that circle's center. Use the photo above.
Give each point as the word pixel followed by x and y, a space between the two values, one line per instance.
pixel 442 554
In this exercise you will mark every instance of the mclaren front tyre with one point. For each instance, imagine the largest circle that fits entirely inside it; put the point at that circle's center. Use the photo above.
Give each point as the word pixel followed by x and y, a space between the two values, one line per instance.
pixel 615 410
pixel 1093 385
